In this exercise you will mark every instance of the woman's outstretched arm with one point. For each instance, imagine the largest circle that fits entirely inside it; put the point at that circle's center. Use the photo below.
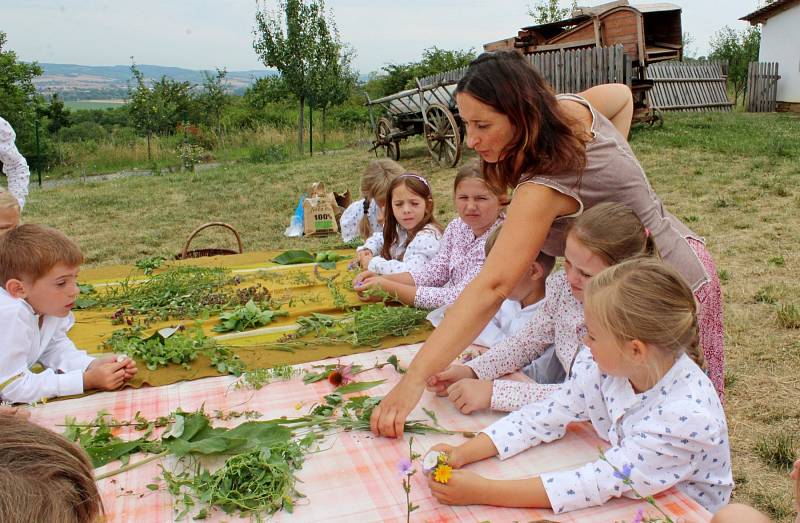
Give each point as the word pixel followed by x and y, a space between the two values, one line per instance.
pixel 527 224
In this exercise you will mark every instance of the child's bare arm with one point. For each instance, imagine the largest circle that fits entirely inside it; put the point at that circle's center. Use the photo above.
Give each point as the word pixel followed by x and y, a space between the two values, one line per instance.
pixel 468 488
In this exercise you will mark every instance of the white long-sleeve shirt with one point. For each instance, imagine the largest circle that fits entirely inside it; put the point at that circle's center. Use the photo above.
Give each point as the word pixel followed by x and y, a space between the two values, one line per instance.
pixel 23 343
pixel 558 322
pixel 411 257
pixel 14 164
pixel 509 320
pixel 672 434
pixel 351 217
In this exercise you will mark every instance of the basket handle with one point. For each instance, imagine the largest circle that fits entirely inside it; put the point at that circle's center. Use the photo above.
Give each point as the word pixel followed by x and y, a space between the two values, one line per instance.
pixel 207 225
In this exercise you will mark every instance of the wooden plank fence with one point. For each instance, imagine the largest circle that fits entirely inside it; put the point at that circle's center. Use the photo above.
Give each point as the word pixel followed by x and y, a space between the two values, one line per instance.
pixel 567 71
pixel 679 86
pixel 762 87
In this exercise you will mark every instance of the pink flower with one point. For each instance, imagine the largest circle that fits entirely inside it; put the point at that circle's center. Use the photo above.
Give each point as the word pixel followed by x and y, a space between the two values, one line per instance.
pixel 639 516
pixel 341 375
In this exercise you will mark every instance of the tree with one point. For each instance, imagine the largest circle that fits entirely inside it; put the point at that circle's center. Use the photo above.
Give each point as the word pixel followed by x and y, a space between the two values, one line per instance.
pixel 738 48
pixel 332 78
pixel 18 96
pixel 214 98
pixel 434 61
pixel 547 11
pixel 267 90
pixel 286 40
pixel 146 108
pixel 58 115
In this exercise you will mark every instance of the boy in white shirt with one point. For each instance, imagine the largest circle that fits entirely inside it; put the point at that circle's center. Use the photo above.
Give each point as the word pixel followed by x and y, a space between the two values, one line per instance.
pixel 516 311
pixel 38 275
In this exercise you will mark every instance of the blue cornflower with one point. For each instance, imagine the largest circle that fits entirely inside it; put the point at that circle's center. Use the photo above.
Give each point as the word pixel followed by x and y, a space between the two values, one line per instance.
pixel 404 466
pixel 625 474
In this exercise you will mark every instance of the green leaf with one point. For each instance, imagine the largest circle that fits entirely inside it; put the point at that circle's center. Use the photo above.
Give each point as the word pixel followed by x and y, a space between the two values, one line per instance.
pixel 328 265
pixel 358 386
pixel 152 486
pixel 294 256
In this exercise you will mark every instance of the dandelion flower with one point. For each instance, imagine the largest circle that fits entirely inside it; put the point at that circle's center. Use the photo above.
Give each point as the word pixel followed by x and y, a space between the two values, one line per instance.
pixel 443 474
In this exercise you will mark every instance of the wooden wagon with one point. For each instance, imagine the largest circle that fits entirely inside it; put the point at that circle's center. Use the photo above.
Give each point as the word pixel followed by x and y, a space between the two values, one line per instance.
pixel 430 109
pixel 649 33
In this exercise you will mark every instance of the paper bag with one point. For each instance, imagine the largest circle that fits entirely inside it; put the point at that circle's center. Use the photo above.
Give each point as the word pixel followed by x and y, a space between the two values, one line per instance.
pixel 319 211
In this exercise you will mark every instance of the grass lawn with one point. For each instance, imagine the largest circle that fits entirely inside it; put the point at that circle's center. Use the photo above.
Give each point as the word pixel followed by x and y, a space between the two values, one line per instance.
pixel 732 177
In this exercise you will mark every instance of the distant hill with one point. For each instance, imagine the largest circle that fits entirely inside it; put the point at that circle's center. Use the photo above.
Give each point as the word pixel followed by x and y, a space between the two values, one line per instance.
pixel 105 82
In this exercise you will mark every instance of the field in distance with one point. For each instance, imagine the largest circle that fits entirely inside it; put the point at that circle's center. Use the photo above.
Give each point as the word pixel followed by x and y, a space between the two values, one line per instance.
pixel 80 105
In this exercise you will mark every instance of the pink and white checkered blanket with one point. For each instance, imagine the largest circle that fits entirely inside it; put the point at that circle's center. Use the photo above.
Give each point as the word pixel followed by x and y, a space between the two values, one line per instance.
pixel 355 478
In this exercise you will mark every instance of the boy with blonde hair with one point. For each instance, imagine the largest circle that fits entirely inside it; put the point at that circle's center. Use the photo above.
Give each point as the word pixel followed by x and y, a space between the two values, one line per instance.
pixel 38 275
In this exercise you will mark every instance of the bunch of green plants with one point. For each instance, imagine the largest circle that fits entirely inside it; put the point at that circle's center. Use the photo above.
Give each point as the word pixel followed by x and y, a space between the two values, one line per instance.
pixel 180 292
pixel 367 326
pixel 262 456
pixel 256 379
pixel 173 346
pixel 148 265
pixel 248 317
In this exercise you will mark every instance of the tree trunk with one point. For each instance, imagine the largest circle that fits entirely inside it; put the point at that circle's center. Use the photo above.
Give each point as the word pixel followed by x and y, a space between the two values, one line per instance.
pixel 324 111
pixel 311 130
pixel 149 156
pixel 300 126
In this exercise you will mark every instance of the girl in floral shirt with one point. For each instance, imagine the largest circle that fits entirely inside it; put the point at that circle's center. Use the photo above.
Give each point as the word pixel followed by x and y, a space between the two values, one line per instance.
pixel 655 407
pixel 604 235
pixel 461 250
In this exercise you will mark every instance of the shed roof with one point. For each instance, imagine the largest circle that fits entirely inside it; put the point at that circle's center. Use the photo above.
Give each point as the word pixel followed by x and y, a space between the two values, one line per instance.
pixel 760 16
pixel 581 14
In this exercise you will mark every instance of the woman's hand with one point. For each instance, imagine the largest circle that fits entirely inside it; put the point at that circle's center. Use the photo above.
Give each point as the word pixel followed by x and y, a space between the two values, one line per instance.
pixel 463 488
pixel 440 381
pixel 469 394
pixel 389 417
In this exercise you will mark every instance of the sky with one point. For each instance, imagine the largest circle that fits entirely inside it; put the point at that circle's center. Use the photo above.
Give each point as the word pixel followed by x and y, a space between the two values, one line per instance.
pixel 204 34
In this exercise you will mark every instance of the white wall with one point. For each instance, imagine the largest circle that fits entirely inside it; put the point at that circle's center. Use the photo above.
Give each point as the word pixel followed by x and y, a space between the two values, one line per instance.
pixel 780 42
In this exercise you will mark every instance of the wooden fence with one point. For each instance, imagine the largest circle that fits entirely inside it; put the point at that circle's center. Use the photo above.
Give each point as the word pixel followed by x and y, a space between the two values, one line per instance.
pixel 567 71
pixel 679 86
pixel 762 87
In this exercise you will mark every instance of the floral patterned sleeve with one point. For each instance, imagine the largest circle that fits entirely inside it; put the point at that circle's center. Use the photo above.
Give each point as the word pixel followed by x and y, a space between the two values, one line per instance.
pixel 14 164
pixel 519 349
pixel 508 395
pixel 422 248
pixel 434 297
pixel 374 243
pixel 436 272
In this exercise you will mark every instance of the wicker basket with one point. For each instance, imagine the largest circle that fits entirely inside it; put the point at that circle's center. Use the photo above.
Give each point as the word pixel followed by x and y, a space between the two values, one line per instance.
pixel 199 253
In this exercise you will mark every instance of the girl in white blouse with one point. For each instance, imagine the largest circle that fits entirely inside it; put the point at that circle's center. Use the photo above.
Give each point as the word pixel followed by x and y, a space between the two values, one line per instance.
pixel 361 218
pixel 658 411
pixel 604 235
pixel 411 233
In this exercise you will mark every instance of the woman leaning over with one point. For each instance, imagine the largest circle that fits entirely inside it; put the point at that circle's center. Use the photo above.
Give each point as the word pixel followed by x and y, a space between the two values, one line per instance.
pixel 561 155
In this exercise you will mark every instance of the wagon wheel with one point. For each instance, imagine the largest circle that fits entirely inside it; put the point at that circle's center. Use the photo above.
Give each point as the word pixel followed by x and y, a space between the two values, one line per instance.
pixel 384 140
pixel 442 135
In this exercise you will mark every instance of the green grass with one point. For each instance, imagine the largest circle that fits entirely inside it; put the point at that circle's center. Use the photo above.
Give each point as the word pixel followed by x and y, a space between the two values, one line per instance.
pixel 751 162
pixel 81 105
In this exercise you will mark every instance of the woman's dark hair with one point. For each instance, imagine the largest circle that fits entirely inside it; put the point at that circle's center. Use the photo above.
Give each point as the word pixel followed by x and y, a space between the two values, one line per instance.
pixel 414 184
pixel 545 142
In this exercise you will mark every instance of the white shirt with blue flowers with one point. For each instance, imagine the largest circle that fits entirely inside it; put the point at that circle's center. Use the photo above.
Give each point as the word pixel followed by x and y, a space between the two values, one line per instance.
pixel 673 434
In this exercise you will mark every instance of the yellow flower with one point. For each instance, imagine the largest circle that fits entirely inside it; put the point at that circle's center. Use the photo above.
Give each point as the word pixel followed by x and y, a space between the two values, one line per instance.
pixel 442 474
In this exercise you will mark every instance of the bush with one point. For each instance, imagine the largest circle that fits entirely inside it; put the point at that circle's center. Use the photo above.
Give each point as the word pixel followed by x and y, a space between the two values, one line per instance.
pixel 84 131
pixel 272 153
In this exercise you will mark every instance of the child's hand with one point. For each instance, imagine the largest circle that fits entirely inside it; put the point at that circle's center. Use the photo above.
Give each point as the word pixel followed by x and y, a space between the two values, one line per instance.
pixel 129 368
pixel 463 488
pixel 371 282
pixel 357 281
pixel 454 458
pixel 440 381
pixel 365 258
pixel 104 374
pixel 469 394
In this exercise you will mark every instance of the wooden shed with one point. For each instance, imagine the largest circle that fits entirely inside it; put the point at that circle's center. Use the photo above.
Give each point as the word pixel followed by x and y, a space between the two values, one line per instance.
pixel 649 32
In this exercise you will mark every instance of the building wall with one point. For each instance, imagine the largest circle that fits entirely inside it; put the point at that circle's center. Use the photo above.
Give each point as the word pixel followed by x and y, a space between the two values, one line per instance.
pixel 777 35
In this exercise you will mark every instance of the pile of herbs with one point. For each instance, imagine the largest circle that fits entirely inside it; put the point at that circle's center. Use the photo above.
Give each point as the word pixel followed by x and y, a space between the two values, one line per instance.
pixel 367 326
pixel 173 346
pixel 248 317
pixel 326 259
pixel 258 474
pixel 180 292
